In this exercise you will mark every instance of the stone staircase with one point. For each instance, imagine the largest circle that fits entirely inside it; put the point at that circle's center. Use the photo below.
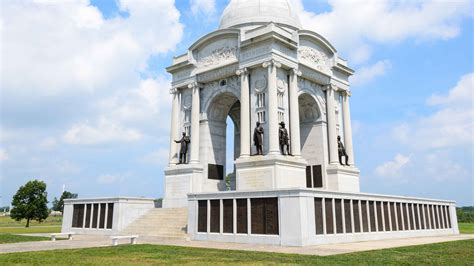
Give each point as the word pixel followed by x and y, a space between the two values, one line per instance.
pixel 161 222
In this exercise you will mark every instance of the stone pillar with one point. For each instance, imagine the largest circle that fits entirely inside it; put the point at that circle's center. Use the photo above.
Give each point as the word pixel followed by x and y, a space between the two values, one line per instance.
pixel 244 113
pixel 294 114
pixel 272 106
pixel 332 133
pixel 174 135
pixel 195 110
pixel 346 116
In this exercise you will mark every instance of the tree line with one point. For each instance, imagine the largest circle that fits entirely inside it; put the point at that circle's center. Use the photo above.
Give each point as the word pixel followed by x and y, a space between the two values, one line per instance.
pixel 30 202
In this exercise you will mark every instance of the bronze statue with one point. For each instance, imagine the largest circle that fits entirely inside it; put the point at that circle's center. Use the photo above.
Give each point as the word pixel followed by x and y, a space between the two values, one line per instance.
pixel 284 140
pixel 342 151
pixel 184 148
pixel 258 138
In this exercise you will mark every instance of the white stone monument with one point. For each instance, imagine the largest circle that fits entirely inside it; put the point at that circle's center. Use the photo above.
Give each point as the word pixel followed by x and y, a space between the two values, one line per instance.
pixel 260 65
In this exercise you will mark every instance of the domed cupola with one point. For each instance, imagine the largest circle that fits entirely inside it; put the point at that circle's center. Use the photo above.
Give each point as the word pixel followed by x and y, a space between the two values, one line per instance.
pixel 254 12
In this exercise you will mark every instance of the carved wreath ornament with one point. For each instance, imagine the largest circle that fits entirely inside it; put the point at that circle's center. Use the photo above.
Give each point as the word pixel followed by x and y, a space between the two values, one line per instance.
pixel 314 56
pixel 218 55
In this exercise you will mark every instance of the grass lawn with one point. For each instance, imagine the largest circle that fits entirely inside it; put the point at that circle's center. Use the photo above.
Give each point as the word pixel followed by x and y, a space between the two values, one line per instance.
pixel 30 230
pixel 7 221
pixel 466 228
pixel 453 253
pixel 9 238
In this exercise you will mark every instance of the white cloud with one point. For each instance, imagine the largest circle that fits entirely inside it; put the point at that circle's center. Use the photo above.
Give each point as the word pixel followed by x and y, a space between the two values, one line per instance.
pixel 48 143
pixel 450 126
pixel 109 179
pixel 461 95
pixel 60 48
pixel 354 26
pixel 3 155
pixel 104 131
pixel 366 74
pixel 207 7
pixel 393 168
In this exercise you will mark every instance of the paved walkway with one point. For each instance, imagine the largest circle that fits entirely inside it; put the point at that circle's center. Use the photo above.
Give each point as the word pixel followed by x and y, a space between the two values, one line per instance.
pixel 82 241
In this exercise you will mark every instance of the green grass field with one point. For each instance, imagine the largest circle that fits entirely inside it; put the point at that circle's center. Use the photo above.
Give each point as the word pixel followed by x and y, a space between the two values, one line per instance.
pixel 9 238
pixel 466 228
pixel 453 253
pixel 6 221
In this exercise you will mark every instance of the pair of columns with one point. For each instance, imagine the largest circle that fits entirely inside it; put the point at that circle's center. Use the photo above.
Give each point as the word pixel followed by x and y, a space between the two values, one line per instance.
pixel 175 110
pixel 332 132
pixel 273 126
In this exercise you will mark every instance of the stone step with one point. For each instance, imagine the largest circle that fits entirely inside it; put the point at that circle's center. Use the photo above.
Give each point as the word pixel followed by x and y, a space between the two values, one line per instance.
pixel 170 223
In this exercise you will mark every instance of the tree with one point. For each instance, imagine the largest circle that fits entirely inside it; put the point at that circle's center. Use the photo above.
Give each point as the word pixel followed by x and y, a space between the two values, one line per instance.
pixel 30 202
pixel 58 205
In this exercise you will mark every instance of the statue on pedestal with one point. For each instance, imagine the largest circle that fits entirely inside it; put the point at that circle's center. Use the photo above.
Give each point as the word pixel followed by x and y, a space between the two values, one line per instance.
pixel 184 148
pixel 258 138
pixel 342 151
pixel 284 140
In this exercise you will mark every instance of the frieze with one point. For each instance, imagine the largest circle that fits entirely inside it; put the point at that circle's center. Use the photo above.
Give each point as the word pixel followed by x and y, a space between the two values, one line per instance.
pixel 218 56
pixel 316 58
pixel 182 74
pixel 219 73
pixel 314 76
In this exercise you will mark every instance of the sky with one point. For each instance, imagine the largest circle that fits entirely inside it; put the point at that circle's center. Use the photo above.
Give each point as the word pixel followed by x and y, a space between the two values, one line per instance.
pixel 85 96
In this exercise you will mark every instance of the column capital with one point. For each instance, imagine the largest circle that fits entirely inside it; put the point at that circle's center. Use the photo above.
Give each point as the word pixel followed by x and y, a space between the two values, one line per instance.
pixel 242 71
pixel 347 93
pixel 271 63
pixel 174 91
pixel 296 72
pixel 193 85
pixel 329 87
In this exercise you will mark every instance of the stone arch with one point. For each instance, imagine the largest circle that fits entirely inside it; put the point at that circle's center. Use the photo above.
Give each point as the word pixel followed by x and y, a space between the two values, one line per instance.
pixel 311 102
pixel 215 89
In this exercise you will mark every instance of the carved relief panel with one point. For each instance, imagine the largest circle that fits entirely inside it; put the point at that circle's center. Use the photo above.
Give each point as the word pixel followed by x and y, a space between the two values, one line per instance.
pixel 219 52
pixel 315 56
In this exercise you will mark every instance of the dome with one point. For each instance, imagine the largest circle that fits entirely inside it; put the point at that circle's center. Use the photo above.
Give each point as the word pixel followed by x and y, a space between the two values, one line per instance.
pixel 241 12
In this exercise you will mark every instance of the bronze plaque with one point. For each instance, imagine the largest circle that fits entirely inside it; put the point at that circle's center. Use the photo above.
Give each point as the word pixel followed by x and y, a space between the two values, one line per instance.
pixel 405 216
pixel 355 210
pixel 392 215
pixel 202 216
pixel 436 216
pixel 379 216
pixel 95 215
pixel 430 210
pixel 427 216
pixel 365 220
pixel 102 215
pixel 386 216
pixel 339 214
pixel 215 216
pixel 308 177
pixel 448 216
pixel 215 171
pixel 88 215
pixel 242 216
pixel 347 216
pixel 318 215
pixel 417 221
pixel 78 215
pixel 373 227
pixel 228 215
pixel 317 176
pixel 264 216
pixel 329 217
pixel 110 216
pixel 399 216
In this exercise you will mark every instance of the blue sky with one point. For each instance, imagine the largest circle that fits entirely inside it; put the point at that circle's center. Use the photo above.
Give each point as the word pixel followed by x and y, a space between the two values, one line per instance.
pixel 85 102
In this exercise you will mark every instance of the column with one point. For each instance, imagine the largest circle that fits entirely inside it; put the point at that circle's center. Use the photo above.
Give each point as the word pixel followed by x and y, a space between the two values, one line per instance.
pixel 331 116
pixel 195 110
pixel 294 114
pixel 244 113
pixel 272 106
pixel 346 116
pixel 174 126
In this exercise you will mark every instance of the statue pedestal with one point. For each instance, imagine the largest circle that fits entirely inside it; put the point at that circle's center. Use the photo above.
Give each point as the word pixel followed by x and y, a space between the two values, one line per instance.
pixel 270 172
pixel 342 178
pixel 179 181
